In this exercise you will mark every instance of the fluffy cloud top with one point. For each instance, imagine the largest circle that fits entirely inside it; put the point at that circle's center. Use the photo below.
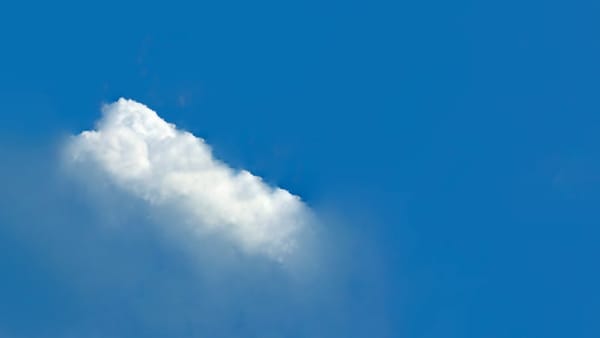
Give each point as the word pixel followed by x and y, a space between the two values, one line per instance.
pixel 170 168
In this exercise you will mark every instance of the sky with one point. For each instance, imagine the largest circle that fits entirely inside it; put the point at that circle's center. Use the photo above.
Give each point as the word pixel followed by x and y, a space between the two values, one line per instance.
pixel 300 169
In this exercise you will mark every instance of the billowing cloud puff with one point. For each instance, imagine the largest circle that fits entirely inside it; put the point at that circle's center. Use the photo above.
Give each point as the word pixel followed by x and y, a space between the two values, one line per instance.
pixel 151 159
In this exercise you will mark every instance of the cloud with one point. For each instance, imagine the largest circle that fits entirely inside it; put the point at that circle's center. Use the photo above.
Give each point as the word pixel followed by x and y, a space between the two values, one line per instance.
pixel 175 171
pixel 81 265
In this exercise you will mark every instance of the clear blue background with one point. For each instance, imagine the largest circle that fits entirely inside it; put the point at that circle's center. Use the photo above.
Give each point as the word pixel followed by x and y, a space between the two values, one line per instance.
pixel 461 137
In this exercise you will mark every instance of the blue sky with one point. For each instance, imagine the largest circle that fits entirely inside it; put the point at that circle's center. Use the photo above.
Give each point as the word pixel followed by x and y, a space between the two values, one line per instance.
pixel 450 150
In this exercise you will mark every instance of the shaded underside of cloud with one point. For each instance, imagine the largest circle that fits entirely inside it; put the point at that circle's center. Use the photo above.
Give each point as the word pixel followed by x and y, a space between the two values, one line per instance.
pixel 142 154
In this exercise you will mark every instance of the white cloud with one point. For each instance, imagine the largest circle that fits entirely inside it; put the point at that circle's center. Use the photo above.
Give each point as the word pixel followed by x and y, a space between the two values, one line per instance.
pixel 169 168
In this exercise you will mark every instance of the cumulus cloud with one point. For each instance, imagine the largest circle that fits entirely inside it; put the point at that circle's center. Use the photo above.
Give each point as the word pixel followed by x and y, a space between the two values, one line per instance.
pixel 168 168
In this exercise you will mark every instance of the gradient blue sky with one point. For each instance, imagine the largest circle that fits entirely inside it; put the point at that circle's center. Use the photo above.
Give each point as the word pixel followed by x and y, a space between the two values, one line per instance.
pixel 455 144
